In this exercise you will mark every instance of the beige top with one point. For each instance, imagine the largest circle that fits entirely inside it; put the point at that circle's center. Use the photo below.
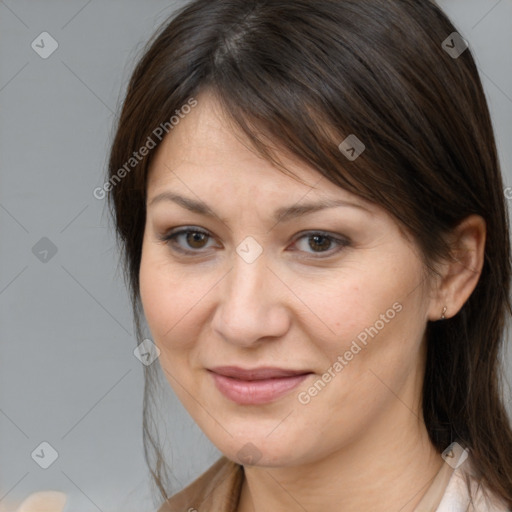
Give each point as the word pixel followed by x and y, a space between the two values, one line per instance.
pixel 218 490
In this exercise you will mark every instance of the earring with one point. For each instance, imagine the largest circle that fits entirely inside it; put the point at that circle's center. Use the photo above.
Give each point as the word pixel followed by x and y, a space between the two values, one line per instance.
pixel 442 314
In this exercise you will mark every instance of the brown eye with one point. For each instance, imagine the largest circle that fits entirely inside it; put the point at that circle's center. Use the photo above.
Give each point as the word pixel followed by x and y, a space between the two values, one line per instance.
pixel 187 240
pixel 192 241
pixel 196 239
pixel 319 243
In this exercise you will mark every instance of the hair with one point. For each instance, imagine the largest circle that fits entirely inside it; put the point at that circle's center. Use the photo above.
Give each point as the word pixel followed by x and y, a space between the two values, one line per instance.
pixel 306 74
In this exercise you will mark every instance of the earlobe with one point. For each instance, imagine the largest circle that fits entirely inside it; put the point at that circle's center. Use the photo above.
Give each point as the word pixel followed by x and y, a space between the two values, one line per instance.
pixel 461 274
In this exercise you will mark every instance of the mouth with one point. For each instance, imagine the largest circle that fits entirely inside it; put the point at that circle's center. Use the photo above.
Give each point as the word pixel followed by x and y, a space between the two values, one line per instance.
pixel 256 386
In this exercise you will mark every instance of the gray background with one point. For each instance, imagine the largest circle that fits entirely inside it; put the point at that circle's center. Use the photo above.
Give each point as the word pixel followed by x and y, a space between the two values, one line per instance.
pixel 68 375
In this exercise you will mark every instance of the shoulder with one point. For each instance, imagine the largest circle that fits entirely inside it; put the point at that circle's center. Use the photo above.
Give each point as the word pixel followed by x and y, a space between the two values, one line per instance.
pixel 218 488
pixel 465 493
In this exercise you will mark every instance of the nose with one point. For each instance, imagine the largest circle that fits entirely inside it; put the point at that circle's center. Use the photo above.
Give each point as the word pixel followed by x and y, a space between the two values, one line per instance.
pixel 252 305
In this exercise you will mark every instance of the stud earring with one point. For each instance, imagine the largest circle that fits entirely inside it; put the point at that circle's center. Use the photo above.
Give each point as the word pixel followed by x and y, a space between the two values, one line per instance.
pixel 442 314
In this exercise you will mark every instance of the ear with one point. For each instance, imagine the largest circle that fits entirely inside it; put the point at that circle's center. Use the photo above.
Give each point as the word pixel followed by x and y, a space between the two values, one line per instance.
pixel 460 277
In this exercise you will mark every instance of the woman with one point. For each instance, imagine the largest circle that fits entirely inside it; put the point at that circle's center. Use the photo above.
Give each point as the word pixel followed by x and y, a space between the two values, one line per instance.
pixel 310 208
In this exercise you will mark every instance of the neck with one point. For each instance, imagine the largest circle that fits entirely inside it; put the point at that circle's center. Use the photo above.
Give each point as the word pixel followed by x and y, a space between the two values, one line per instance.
pixel 383 469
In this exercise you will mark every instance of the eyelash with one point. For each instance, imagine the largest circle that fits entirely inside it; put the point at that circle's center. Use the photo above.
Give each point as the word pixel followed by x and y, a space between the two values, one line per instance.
pixel 170 239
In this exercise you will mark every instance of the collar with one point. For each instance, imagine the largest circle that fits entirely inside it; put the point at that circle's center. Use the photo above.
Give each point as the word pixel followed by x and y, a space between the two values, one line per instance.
pixel 218 488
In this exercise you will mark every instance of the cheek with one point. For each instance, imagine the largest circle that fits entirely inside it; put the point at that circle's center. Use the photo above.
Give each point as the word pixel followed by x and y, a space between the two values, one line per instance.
pixel 350 302
pixel 171 300
pixel 155 301
pixel 371 315
pixel 158 291
pixel 371 361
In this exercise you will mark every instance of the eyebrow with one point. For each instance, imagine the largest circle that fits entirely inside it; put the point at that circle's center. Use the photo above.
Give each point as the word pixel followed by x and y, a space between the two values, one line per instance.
pixel 282 214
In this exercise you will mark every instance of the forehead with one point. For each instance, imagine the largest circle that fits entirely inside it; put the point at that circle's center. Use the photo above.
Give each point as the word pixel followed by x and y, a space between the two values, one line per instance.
pixel 206 152
pixel 205 141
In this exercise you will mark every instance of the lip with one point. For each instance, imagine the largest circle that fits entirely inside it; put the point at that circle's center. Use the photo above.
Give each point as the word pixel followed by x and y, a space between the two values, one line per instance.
pixel 260 373
pixel 256 386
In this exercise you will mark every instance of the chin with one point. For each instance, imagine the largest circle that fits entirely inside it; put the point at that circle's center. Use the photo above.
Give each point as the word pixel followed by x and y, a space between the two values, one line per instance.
pixel 260 451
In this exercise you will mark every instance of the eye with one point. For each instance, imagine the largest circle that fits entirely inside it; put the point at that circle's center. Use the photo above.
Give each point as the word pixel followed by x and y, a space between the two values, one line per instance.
pixel 321 242
pixel 196 239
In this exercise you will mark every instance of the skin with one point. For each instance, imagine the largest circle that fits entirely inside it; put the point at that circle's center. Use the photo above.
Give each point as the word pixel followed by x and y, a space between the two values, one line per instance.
pixel 360 443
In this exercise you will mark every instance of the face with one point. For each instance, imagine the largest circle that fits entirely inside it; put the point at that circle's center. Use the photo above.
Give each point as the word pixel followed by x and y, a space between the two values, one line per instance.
pixel 334 294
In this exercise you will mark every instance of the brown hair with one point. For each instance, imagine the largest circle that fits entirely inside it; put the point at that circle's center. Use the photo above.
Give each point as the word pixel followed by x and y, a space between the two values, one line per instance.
pixel 306 74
